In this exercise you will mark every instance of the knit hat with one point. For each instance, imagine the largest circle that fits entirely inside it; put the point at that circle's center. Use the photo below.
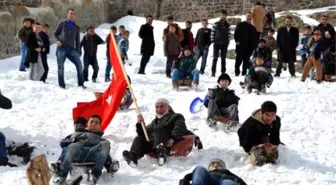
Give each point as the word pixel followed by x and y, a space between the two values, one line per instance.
pixel 268 106
pixel 220 161
pixel 162 100
pixel 224 76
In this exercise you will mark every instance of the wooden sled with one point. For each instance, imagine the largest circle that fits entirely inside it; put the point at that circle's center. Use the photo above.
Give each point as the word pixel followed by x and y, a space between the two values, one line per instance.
pixel 185 82
pixel 38 172
pixel 180 149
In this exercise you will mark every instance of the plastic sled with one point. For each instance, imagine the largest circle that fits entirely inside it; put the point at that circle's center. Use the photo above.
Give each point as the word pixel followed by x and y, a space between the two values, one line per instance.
pixel 180 149
pixel 196 105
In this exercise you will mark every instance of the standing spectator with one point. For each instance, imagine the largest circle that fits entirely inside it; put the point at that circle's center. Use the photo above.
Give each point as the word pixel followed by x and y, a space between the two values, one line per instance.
pixel 188 36
pixel 328 31
pixel 270 40
pixel 303 45
pixel 44 54
pixel 123 46
pixel 172 49
pixel 202 41
pixel 245 39
pixel 287 41
pixel 122 29
pixel 270 22
pixel 179 32
pixel 90 43
pixel 68 46
pixel 329 63
pixel 148 43
pixel 220 36
pixel 22 35
pixel 113 30
pixel 258 18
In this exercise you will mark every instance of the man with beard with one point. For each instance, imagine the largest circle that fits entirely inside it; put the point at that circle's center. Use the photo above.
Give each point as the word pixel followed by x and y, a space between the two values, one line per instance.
pixel 167 129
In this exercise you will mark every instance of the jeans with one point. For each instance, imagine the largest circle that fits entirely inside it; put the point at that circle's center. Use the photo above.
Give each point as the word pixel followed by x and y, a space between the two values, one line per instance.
pixel 90 60
pixel 222 48
pixel 180 75
pixel 62 53
pixel 61 157
pixel 108 69
pixel 23 50
pixel 3 149
pixel 201 176
pixel 76 152
pixel 202 51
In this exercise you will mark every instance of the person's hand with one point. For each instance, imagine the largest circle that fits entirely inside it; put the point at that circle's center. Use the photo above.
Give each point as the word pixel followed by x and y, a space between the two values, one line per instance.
pixel 170 142
pixel 59 43
pixel 140 119
pixel 38 49
pixel 43 49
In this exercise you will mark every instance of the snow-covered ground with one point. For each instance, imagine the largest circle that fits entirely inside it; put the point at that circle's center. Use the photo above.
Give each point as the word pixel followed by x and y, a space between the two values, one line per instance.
pixel 42 114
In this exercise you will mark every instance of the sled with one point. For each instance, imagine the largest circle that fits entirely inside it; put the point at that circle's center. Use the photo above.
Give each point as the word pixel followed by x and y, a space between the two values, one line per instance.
pixel 78 168
pixel 180 149
pixel 38 172
pixel 185 82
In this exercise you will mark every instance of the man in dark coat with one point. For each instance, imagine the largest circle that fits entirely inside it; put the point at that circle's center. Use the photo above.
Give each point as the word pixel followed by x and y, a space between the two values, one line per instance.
pixel 245 36
pixel 148 43
pixel 260 134
pixel 44 54
pixel 328 31
pixel 188 37
pixel 165 130
pixel 216 174
pixel 287 41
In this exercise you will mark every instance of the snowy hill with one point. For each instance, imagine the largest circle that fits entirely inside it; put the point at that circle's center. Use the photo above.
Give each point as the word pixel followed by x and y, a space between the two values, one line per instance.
pixel 42 114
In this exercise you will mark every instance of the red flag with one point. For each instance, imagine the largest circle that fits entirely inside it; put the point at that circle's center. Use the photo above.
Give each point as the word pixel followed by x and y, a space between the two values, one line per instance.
pixel 107 105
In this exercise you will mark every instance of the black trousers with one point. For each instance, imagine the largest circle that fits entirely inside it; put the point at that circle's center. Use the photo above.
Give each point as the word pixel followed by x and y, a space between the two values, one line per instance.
pixel 45 66
pixel 90 60
pixel 222 48
pixel 242 57
pixel 144 61
pixel 291 68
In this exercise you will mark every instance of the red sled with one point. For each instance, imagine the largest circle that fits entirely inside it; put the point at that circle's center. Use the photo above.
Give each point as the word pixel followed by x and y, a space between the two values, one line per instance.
pixel 180 149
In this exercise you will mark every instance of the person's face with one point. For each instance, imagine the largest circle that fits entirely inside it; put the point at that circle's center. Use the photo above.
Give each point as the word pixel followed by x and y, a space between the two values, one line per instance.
pixel 161 109
pixel 27 24
pixel 215 165
pixel 317 35
pixel 188 25
pixel 187 52
pixel 37 28
pixel 170 22
pixel 261 45
pixel 91 32
pixel 113 31
pixel 121 30
pixel 172 29
pixel 45 30
pixel 224 83
pixel 71 15
pixel 204 24
pixel 268 117
pixel 93 124
pixel 150 20
pixel 126 36
pixel 222 17
pixel 324 20
pixel 249 18
pixel 307 31
pixel 288 22
pixel 270 34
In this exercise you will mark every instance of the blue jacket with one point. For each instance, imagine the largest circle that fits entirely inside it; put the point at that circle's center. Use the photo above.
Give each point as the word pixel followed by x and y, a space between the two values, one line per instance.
pixel 303 43
pixel 68 33
pixel 123 47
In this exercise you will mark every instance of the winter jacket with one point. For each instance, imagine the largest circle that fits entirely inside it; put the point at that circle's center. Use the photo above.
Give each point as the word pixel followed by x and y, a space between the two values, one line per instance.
pixel 264 53
pixel 328 28
pixel 178 32
pixel 5 103
pixel 172 45
pixel 188 39
pixel 271 43
pixel 146 33
pixel 84 138
pixel 33 42
pixel 329 63
pixel 218 173
pixel 255 131
pixel 303 44
pixel 90 44
pixel 203 37
pixel 46 42
pixel 287 43
pixel 221 33
pixel 123 47
pixel 173 123
pixel 108 39
pixel 258 17
pixel 270 19
pixel 185 64
pixel 317 49
pixel 68 33
pixel 223 97
pixel 23 33
pixel 245 37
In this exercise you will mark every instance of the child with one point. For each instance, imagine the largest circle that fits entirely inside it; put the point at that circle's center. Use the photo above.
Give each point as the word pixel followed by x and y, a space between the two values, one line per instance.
pixel 123 46
pixel 127 100
pixel 172 48
pixel 113 30
pixel 45 28
pixel 121 32
pixel 303 45
pixel 44 54
pixel 270 40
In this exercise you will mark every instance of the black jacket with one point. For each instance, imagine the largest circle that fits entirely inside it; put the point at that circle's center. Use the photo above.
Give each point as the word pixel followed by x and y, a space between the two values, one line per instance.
pixel 174 123
pixel 329 63
pixel 287 43
pixel 318 47
pixel 23 33
pixel 5 103
pixel 46 42
pixel 33 42
pixel 331 30
pixel 221 33
pixel 254 132
pixel 90 44
pixel 223 97
pixel 68 37
pixel 147 36
pixel 264 53
pixel 219 173
pixel 203 37
pixel 245 35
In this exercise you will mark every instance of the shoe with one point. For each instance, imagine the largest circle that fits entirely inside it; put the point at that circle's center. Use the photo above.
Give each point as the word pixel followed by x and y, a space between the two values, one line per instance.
pixel 285 68
pixel 22 70
pixel 142 73
pixel 168 75
pixel 277 75
pixel 213 75
pixel 62 86
pixel 293 76
pixel 107 80
pixel 83 86
pixel 201 72
pixel 211 122
pixel 263 89
pixel 55 168
pixel 130 158
pixel 249 89
pixel 113 167
pixel 94 176
pixel 94 80
pixel 161 154
pixel 198 143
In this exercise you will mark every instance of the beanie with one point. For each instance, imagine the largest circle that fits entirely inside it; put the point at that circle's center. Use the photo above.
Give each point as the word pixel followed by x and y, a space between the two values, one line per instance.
pixel 268 106
pixel 220 161
pixel 224 76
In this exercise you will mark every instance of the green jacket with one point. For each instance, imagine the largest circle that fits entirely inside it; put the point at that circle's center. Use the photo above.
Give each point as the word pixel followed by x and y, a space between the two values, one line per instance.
pixel 186 64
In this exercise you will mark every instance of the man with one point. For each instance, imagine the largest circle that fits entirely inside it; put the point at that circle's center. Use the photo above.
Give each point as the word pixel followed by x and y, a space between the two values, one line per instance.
pixel 89 146
pixel 258 14
pixel 216 174
pixel 148 44
pixel 220 36
pixel 287 41
pixel 188 36
pixel 22 35
pixel 260 134
pixel 90 43
pixel 328 31
pixel 165 130
pixel 67 34
pixel 202 42
pixel 179 32
pixel 245 38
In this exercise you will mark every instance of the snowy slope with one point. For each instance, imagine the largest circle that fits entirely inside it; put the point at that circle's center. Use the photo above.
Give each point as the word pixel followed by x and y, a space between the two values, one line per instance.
pixel 42 115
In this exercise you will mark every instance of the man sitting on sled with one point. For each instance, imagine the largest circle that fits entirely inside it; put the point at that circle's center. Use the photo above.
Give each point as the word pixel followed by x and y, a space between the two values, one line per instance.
pixel 167 130
pixel 260 135
pixel 184 70
pixel 222 103
pixel 87 146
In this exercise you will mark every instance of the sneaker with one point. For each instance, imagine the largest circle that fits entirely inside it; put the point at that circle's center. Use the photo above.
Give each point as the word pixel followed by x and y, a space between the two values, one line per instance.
pixel 59 180
pixel 161 154
pixel 107 80
pixel 130 158
pixel 55 168
pixel 113 167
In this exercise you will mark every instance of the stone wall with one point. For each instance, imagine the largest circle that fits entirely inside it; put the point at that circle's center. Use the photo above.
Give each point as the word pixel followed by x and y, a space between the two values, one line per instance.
pixel 31 3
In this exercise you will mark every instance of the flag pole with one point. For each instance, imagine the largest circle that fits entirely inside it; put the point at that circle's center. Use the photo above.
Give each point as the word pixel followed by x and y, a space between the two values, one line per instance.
pixel 130 87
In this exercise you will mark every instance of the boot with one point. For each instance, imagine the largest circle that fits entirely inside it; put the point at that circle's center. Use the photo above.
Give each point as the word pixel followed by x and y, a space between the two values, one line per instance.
pixel 161 154
pixel 175 85
pixel 130 158
pixel 95 174
pixel 194 84
pixel 222 119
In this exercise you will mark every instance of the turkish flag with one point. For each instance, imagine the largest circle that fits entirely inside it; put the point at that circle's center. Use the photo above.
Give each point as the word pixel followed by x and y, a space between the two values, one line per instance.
pixel 108 103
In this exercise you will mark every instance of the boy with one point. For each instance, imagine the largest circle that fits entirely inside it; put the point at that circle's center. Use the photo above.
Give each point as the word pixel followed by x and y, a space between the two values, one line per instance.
pixel 172 48
pixel 22 35
pixel 222 103
pixel 113 30
pixel 121 32
pixel 90 43
pixel 270 40
pixel 202 42
pixel 44 54
pixel 303 45
pixel 123 46
pixel 45 28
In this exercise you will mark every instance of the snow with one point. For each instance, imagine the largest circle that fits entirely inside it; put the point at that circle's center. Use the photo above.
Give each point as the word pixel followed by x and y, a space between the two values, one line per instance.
pixel 42 114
